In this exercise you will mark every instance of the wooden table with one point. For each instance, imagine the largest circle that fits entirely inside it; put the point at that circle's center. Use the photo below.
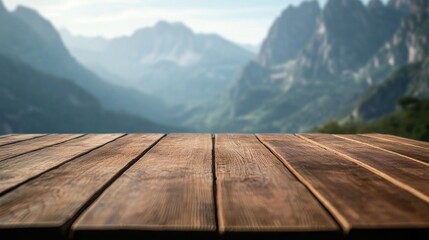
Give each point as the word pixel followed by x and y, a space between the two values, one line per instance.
pixel 223 186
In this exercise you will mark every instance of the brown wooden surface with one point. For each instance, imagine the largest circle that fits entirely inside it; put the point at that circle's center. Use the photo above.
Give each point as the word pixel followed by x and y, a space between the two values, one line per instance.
pixel 8 139
pixel 52 200
pixel 12 150
pixel 197 186
pixel 359 199
pixel 257 193
pixel 415 152
pixel 16 170
pixel 400 140
pixel 169 189
pixel 403 172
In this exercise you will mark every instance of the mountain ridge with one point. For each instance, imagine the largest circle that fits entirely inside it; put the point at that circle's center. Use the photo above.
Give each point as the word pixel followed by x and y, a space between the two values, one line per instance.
pixel 34 40
pixel 153 59
pixel 26 106
pixel 322 82
pixel 409 49
pixel 290 31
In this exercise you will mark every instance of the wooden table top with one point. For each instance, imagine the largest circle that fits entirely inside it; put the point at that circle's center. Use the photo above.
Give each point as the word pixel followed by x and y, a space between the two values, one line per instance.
pixel 223 186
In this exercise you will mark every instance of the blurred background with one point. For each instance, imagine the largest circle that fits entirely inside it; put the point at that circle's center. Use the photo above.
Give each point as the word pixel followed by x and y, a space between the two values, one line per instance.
pixel 286 66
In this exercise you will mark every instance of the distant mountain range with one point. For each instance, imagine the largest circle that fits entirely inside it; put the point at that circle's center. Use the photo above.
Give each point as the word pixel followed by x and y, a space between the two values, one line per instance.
pixel 319 64
pixel 36 47
pixel 347 61
pixel 167 60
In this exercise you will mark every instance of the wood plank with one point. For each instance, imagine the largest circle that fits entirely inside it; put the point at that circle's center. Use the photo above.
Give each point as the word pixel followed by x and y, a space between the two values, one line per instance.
pixel 16 170
pixel 409 175
pixel 413 152
pixel 361 201
pixel 399 139
pixel 258 195
pixel 19 148
pixel 9 139
pixel 45 207
pixel 168 192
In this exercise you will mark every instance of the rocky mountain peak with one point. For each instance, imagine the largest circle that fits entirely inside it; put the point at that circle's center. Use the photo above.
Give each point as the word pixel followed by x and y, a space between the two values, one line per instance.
pixel 41 26
pixel 410 42
pixel 173 27
pixel 375 4
pixel 290 33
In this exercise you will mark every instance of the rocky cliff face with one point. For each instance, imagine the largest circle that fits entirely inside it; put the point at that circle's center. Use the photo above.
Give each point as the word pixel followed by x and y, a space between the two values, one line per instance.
pixel 294 87
pixel 410 42
pixel 347 36
pixel 409 46
pixel 401 5
pixel 290 32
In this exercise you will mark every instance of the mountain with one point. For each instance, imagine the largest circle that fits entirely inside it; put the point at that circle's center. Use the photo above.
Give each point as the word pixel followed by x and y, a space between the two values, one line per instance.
pixel 290 33
pixel 34 41
pixel 382 99
pixel 347 36
pixel 304 78
pixel 253 48
pixel 409 44
pixel 409 48
pixel 168 60
pixel 34 102
pixel 400 5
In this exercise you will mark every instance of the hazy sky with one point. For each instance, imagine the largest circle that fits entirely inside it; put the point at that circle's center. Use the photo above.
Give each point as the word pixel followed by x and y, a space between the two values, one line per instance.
pixel 243 21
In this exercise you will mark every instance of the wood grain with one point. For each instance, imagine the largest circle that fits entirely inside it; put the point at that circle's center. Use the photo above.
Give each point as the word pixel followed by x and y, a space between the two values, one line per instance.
pixel 256 192
pixel 14 171
pixel 360 200
pixel 414 152
pixel 47 204
pixel 410 175
pixel 8 139
pixel 399 139
pixel 168 190
pixel 19 148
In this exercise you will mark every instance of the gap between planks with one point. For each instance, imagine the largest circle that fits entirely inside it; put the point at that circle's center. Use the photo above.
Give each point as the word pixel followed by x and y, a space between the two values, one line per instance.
pixel 330 209
pixel 396 139
pixel 105 186
pixel 397 183
pixel 215 189
pixel 386 150
pixel 5 139
pixel 62 138
pixel 288 149
pixel 10 189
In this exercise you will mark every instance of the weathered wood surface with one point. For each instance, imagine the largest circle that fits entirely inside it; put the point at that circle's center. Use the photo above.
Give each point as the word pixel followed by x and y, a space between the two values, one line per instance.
pixel 414 152
pixel 170 189
pixel 256 193
pixel 8 139
pixel 50 202
pixel 12 150
pixel 16 170
pixel 400 140
pixel 226 186
pixel 355 196
pixel 401 171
